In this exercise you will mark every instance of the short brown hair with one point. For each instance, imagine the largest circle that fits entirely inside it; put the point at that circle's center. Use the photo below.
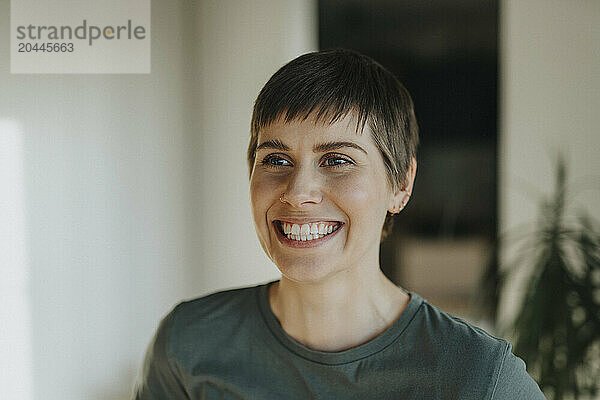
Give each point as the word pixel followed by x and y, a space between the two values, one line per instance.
pixel 332 84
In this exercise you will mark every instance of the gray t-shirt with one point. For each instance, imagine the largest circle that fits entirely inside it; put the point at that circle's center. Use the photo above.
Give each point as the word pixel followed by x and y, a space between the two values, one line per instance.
pixel 230 345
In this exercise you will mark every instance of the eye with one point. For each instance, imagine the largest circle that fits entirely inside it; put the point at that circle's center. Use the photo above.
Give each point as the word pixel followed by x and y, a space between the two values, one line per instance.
pixel 335 160
pixel 274 160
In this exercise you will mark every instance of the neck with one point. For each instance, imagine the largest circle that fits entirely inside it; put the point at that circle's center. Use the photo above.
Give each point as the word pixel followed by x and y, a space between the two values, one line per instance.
pixel 339 313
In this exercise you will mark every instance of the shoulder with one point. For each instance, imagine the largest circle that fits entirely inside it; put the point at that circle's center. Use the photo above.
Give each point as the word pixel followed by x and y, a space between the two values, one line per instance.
pixel 209 322
pixel 476 363
pixel 209 311
pixel 513 381
pixel 458 336
pixel 216 305
pixel 195 324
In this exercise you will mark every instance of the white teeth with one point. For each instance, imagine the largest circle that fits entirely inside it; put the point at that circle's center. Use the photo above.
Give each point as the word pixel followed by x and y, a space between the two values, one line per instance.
pixel 322 229
pixel 295 229
pixel 306 232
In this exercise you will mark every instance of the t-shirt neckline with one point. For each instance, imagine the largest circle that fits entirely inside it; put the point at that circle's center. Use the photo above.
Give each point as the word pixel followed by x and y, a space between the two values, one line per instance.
pixel 342 357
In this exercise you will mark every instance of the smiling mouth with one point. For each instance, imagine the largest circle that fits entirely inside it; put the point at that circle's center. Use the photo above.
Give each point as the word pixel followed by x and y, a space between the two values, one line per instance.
pixel 306 232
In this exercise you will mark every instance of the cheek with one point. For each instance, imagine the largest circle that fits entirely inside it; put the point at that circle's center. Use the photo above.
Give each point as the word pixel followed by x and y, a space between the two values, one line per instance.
pixel 353 199
pixel 263 194
pixel 359 194
pixel 258 199
pixel 362 199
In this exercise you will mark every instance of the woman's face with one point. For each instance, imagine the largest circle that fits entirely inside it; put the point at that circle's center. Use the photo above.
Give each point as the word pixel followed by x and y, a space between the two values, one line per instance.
pixel 335 198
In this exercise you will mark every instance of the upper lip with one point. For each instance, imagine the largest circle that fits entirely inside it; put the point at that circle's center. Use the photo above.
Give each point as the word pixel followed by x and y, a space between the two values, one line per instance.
pixel 305 220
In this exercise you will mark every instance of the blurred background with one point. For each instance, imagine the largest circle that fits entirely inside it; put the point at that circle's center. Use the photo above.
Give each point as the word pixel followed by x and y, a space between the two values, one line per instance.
pixel 122 195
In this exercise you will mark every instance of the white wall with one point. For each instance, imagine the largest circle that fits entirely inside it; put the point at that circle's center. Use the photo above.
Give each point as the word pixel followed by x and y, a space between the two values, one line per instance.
pixel 240 45
pixel 550 102
pixel 124 194
pixel 104 215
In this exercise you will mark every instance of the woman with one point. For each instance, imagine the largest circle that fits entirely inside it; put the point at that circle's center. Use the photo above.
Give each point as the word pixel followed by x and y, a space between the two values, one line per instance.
pixel 332 158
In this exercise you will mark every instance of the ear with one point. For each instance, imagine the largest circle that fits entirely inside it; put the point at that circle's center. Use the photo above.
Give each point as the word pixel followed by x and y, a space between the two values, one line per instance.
pixel 401 196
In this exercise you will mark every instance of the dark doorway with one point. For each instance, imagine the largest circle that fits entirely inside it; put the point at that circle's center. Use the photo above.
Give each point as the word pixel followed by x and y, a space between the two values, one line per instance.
pixel 445 53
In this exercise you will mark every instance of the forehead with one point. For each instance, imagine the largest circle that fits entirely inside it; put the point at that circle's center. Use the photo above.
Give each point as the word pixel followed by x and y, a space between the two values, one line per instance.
pixel 311 131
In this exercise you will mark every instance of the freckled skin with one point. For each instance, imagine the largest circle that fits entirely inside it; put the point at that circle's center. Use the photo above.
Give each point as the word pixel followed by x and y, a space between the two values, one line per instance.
pixel 356 193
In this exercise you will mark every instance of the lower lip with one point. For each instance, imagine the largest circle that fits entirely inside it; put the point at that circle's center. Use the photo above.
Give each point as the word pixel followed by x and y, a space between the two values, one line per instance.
pixel 299 244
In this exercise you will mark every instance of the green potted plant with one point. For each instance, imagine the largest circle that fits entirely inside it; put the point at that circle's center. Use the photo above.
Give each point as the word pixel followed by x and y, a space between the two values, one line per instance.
pixel 557 328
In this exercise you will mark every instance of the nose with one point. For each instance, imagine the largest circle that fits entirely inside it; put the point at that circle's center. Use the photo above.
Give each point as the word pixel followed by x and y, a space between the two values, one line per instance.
pixel 303 188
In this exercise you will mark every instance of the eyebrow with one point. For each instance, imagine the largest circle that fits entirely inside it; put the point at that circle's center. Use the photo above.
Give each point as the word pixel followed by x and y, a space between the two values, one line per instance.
pixel 277 144
pixel 329 146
